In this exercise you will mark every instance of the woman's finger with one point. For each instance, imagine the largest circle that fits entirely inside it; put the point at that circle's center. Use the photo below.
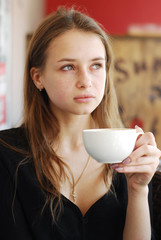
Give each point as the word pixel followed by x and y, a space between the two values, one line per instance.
pixel 145 150
pixel 142 161
pixel 148 168
pixel 146 139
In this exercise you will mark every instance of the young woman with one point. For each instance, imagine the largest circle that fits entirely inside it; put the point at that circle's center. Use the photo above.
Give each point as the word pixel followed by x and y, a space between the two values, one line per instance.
pixel 50 187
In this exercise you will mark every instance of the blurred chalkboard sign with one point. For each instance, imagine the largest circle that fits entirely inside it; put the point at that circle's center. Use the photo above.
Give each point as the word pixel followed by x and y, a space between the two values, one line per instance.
pixel 137 77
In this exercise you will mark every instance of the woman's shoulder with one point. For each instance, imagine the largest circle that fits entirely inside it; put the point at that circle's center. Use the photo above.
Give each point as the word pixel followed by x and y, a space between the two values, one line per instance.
pixel 11 132
pixel 13 147
pixel 15 137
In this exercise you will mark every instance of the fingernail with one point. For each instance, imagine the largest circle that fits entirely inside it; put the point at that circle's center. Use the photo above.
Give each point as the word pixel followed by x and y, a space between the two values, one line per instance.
pixel 119 169
pixel 126 161
pixel 114 165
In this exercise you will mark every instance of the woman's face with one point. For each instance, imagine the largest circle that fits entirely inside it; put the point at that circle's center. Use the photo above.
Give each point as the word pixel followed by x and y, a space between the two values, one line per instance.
pixel 75 72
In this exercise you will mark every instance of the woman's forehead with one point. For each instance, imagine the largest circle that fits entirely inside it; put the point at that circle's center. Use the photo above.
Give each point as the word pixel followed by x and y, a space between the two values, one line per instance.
pixel 76 44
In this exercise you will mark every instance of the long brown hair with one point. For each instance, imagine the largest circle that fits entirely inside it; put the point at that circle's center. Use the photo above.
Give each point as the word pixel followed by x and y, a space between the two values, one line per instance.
pixel 40 123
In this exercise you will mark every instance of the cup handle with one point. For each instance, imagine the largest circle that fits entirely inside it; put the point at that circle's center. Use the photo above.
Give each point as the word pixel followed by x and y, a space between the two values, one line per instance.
pixel 139 133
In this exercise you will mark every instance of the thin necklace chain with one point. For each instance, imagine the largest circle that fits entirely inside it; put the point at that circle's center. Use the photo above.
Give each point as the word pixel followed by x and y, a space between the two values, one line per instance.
pixel 73 193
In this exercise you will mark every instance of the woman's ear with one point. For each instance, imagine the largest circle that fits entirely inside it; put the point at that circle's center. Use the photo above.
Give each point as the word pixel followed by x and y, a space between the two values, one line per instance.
pixel 35 74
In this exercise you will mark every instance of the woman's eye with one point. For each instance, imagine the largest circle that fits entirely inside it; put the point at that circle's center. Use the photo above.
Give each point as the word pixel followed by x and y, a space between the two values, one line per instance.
pixel 96 66
pixel 67 68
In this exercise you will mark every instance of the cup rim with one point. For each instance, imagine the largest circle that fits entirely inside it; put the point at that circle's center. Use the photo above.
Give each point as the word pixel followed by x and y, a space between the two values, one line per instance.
pixel 108 129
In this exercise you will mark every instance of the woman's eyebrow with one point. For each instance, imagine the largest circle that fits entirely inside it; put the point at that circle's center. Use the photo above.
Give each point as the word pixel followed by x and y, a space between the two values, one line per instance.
pixel 98 58
pixel 72 59
pixel 67 60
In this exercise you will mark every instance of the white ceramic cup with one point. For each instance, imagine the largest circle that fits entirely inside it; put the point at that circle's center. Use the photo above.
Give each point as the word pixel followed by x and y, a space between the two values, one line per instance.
pixel 110 145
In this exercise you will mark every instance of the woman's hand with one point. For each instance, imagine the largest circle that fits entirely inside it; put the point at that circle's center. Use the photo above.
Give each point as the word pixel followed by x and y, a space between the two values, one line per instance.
pixel 141 165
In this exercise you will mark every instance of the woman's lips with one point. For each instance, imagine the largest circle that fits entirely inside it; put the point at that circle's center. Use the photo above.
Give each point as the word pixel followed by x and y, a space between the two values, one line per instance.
pixel 84 98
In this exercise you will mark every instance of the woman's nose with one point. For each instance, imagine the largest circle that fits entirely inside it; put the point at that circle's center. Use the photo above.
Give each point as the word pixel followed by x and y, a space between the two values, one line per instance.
pixel 83 79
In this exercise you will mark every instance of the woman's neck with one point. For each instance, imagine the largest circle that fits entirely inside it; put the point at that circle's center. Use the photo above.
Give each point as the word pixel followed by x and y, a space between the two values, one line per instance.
pixel 70 135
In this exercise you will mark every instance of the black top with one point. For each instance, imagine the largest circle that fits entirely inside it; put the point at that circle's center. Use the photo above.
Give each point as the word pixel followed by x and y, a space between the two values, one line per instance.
pixel 22 200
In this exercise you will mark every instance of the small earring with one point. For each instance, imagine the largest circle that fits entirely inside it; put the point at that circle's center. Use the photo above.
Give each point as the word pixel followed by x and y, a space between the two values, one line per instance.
pixel 40 89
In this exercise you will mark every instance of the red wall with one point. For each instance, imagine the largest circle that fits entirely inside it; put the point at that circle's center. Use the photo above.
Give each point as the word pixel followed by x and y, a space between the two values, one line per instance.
pixel 115 15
